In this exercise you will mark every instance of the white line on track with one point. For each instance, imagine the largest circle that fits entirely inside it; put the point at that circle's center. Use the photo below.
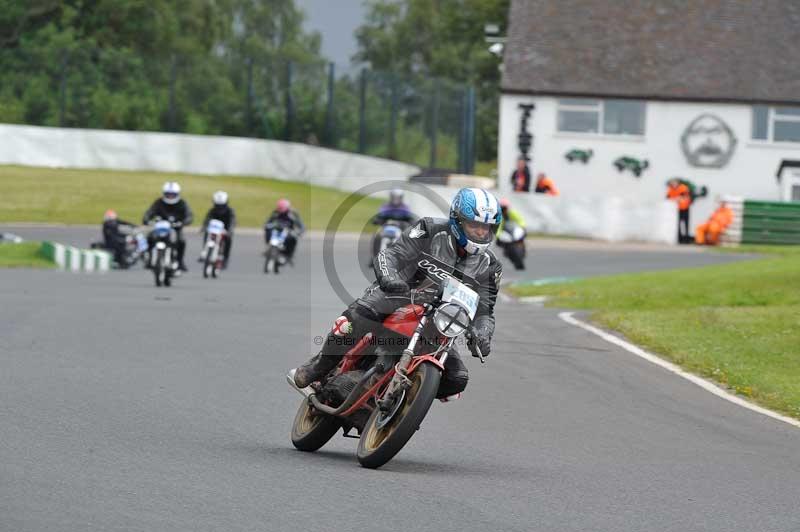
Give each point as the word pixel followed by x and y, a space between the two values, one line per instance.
pixel 669 366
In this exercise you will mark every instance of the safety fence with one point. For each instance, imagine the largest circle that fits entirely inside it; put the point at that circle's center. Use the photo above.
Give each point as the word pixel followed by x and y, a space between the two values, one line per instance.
pixel 423 121
pixel 75 259
pixel 765 222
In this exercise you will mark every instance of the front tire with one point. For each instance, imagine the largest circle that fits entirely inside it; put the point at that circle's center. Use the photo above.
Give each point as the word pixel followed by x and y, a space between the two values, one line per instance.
pixel 379 445
pixel 311 430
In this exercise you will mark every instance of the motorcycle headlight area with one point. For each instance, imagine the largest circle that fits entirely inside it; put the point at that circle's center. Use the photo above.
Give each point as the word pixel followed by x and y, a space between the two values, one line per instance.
pixel 451 319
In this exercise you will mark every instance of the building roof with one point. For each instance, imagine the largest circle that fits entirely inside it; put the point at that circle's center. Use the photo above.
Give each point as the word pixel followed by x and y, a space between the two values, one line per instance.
pixel 719 50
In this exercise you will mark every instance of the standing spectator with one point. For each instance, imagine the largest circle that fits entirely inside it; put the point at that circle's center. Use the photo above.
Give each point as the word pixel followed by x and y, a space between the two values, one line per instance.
pixel 681 195
pixel 521 177
pixel 545 185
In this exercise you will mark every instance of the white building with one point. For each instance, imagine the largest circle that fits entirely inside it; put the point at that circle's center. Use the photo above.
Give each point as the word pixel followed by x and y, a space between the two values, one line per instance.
pixel 704 90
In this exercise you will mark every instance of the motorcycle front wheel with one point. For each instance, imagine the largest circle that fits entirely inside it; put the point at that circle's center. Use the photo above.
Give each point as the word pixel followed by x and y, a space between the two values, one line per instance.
pixel 381 439
pixel 311 430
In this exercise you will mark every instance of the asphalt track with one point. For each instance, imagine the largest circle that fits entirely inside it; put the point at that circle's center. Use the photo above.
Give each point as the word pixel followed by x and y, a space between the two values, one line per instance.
pixel 126 407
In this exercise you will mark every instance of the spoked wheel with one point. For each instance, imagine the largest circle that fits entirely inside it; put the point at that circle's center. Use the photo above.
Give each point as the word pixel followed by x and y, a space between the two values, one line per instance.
pixel 158 268
pixel 271 264
pixel 387 432
pixel 311 429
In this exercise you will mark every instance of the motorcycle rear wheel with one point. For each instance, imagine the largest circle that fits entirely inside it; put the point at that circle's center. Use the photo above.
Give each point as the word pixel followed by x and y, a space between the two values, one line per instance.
pixel 378 445
pixel 312 430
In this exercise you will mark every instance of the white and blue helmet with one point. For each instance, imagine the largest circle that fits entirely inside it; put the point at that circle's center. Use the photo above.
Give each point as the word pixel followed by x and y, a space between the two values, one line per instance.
pixel 474 218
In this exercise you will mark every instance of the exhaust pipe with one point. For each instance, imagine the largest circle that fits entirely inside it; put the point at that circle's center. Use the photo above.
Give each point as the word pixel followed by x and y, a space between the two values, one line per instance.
pixel 305 392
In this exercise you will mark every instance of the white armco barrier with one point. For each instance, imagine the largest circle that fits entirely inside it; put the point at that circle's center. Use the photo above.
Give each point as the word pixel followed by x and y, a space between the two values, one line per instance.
pixel 608 218
pixel 194 154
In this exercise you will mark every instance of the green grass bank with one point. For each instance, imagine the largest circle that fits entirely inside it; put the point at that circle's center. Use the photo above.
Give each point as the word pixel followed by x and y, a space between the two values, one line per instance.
pixel 737 324
pixel 23 255
pixel 67 196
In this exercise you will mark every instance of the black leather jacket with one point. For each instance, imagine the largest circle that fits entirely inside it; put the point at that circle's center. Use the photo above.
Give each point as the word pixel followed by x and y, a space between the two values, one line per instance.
pixel 224 214
pixel 179 212
pixel 429 249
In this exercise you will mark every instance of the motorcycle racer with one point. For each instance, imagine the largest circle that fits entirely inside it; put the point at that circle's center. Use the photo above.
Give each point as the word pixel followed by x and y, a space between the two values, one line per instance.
pixel 171 207
pixel 395 209
pixel 224 213
pixel 285 216
pixel 459 246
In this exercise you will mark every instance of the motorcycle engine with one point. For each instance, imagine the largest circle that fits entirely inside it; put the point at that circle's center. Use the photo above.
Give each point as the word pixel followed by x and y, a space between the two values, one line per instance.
pixel 338 388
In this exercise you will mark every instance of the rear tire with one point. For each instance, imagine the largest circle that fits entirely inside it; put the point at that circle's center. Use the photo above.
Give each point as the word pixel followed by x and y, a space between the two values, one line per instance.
pixel 311 430
pixel 379 445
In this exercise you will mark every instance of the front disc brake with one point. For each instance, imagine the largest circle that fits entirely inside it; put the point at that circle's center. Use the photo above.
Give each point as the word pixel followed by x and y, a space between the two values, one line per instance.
pixel 385 417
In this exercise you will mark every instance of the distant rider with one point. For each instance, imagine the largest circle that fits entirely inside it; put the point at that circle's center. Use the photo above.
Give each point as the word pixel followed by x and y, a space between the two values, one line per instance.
pixel 114 238
pixel 460 242
pixel 172 208
pixel 395 209
pixel 285 216
pixel 224 213
pixel 509 215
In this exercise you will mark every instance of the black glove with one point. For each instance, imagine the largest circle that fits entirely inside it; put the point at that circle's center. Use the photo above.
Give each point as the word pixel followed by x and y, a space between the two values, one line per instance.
pixel 484 343
pixel 392 285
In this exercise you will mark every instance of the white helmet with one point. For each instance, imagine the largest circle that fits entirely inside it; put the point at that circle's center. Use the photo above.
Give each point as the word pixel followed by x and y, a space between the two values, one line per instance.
pixel 220 197
pixel 171 193
pixel 396 196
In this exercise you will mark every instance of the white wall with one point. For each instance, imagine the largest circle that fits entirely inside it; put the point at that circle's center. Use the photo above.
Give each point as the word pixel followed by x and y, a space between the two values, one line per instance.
pixel 608 218
pixel 196 154
pixel 750 172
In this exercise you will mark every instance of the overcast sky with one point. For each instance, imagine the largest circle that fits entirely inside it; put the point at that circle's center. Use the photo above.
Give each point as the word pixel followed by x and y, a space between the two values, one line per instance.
pixel 337 21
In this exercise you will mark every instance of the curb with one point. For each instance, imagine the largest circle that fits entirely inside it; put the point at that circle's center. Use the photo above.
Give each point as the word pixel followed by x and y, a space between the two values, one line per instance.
pixel 76 260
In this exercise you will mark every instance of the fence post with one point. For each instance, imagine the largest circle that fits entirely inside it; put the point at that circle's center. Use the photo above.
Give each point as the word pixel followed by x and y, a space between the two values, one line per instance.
pixel 471 113
pixel 289 103
pixel 462 133
pixel 249 98
pixel 173 76
pixel 393 121
pixel 62 89
pixel 362 113
pixel 330 139
pixel 434 123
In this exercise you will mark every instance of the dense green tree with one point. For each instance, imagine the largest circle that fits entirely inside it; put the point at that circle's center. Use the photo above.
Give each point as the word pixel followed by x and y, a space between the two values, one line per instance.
pixel 443 39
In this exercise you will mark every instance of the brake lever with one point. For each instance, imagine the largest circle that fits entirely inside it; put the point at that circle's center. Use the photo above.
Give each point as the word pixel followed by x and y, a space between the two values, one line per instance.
pixel 474 347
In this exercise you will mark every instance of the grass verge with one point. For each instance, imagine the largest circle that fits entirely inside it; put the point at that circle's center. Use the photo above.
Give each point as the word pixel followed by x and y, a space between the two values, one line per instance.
pixel 737 324
pixel 23 255
pixel 67 196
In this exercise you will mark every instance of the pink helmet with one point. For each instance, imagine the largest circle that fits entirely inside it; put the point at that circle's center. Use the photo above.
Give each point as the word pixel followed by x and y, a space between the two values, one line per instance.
pixel 110 214
pixel 283 205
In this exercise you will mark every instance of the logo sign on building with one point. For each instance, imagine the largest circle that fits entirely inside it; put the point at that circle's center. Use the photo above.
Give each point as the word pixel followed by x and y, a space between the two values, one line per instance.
pixel 708 142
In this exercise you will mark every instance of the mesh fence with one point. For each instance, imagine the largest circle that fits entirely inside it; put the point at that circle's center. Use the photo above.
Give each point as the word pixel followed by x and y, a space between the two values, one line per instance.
pixel 427 122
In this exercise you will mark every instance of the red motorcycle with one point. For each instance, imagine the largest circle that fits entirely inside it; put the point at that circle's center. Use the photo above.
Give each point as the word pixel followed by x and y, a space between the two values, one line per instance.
pixel 384 387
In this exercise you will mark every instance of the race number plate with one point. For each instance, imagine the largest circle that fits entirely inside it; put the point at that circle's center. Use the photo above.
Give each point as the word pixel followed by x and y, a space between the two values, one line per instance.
pixel 458 292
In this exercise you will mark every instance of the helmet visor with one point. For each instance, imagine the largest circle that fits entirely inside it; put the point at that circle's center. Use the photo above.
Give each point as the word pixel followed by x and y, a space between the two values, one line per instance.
pixel 170 195
pixel 478 232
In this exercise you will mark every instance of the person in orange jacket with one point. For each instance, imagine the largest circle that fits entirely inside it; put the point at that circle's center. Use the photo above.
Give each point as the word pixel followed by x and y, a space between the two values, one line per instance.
pixel 708 233
pixel 545 185
pixel 681 195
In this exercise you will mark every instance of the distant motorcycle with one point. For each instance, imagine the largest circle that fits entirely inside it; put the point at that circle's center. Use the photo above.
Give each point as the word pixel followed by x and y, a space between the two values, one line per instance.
pixel 213 249
pixel 388 234
pixel 512 240
pixel 135 246
pixel 276 250
pixel 162 257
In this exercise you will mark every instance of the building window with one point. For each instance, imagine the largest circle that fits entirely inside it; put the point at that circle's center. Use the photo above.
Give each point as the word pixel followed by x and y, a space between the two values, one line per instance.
pixel 777 124
pixel 609 117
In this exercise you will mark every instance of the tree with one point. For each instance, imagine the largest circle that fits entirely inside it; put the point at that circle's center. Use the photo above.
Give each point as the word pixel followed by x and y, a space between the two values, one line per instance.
pixel 443 39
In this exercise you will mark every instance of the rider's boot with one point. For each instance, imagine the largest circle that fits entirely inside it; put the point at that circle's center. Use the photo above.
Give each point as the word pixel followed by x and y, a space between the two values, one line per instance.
pixel 314 369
